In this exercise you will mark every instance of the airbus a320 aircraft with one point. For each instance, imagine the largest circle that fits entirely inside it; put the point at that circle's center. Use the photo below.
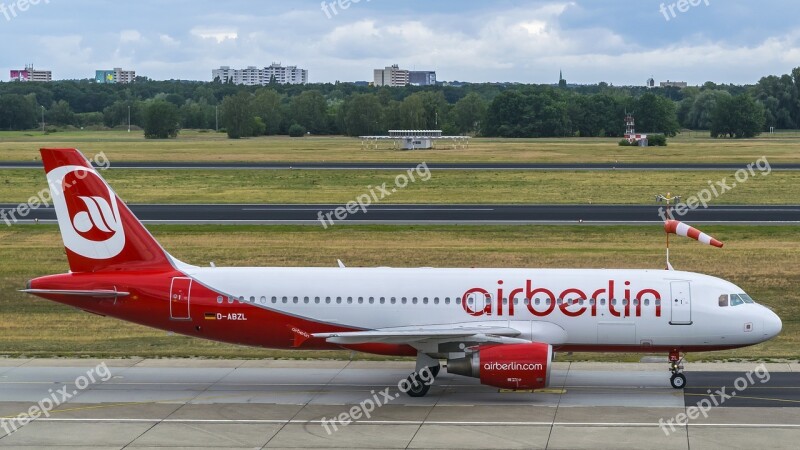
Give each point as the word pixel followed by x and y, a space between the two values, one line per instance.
pixel 499 325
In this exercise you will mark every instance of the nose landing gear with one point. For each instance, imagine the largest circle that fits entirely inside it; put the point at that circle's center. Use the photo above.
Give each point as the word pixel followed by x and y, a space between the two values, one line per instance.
pixel 678 379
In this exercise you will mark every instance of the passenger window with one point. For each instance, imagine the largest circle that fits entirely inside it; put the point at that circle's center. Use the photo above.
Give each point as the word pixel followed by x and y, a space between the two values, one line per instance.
pixel 723 300
pixel 219 299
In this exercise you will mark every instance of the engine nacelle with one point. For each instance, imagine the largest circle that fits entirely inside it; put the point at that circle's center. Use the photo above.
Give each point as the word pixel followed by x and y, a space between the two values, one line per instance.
pixel 507 366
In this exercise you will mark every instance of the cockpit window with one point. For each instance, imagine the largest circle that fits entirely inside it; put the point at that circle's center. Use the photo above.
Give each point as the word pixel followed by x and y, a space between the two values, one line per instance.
pixel 723 300
pixel 736 300
pixel 746 298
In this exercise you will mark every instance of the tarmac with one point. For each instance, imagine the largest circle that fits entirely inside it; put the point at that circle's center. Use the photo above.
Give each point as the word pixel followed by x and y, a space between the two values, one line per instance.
pixel 305 214
pixel 143 403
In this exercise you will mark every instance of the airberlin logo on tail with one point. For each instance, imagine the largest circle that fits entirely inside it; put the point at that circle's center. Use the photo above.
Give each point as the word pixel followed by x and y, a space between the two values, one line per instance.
pixel 87 211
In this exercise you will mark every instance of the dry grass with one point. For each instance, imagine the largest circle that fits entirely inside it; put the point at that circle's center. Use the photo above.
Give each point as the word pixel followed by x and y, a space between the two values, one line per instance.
pixel 762 260
pixel 322 186
pixel 197 146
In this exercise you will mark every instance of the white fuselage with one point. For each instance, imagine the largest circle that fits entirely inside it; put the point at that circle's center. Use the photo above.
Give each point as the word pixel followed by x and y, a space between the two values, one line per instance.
pixel 569 308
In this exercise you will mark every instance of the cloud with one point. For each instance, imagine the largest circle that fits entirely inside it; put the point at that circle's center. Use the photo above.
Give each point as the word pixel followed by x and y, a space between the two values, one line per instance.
pixel 218 34
pixel 126 36
pixel 502 40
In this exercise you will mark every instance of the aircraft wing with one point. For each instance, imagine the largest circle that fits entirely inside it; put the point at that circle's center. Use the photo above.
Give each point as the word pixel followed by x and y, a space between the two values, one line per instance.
pixel 412 335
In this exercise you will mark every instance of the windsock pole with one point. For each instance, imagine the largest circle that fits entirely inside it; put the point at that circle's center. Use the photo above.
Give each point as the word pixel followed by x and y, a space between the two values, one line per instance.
pixel 668 199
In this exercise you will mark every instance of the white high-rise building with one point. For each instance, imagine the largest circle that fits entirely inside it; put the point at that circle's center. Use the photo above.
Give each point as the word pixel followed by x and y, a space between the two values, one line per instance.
pixel 392 76
pixel 253 76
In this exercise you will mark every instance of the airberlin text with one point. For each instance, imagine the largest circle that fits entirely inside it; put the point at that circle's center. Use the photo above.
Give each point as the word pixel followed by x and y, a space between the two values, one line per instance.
pixel 572 302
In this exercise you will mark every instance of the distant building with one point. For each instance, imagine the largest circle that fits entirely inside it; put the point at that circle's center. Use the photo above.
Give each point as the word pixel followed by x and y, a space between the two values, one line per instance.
pixel 115 76
pixel 394 76
pixel 422 78
pixel 651 83
pixel 254 76
pixel 391 76
pixel 674 84
pixel 29 74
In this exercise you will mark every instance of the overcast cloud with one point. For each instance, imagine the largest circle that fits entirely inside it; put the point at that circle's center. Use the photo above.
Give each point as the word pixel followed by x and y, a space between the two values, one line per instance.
pixel 620 42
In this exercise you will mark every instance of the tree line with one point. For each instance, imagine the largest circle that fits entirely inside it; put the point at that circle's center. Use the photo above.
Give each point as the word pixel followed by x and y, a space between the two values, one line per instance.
pixel 162 108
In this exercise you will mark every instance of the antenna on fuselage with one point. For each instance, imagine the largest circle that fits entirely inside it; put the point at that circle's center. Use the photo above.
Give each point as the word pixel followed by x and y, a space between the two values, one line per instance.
pixel 669 199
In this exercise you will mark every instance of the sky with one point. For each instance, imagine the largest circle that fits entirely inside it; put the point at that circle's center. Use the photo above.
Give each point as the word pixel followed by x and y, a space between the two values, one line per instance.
pixel 622 42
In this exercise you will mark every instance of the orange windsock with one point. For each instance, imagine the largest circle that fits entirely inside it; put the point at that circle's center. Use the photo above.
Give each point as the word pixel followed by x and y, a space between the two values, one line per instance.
pixel 681 229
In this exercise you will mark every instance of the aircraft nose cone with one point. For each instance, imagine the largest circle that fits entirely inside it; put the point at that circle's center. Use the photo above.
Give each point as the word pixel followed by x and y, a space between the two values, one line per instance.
pixel 772 324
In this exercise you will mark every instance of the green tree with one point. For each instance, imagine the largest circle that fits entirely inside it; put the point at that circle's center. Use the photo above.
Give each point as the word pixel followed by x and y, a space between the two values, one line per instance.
pixel 267 106
pixel 363 115
pixel 698 117
pixel 737 117
pixel 60 113
pixel 237 115
pixel 412 113
pixel 656 114
pixel 161 120
pixel 197 115
pixel 18 112
pixel 297 130
pixel 468 114
pixel 310 109
pixel 117 114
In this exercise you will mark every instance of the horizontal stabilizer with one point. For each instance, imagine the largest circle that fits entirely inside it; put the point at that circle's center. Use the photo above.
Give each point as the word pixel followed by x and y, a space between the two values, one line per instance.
pixel 99 293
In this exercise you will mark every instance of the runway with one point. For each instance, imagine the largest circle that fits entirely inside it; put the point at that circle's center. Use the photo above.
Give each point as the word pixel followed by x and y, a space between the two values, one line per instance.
pixel 436 214
pixel 286 404
pixel 402 166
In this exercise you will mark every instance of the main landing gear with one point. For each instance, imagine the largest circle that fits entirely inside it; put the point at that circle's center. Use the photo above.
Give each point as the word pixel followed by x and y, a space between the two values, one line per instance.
pixel 678 379
pixel 421 380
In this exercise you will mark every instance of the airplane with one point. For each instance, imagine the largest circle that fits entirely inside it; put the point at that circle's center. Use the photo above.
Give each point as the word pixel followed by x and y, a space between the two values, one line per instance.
pixel 501 326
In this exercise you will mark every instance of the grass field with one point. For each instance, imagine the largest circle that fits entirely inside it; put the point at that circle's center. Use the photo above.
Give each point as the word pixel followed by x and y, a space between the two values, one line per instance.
pixel 199 146
pixel 339 187
pixel 762 260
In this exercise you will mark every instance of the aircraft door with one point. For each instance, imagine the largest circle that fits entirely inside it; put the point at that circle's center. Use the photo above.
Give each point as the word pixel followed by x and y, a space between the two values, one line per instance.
pixel 681 302
pixel 180 296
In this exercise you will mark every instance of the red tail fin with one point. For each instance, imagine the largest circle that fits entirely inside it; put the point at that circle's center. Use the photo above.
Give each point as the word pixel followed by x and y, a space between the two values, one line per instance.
pixel 99 231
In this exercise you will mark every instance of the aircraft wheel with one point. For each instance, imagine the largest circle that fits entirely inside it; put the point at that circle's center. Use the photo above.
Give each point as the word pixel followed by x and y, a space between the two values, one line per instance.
pixel 678 381
pixel 417 387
